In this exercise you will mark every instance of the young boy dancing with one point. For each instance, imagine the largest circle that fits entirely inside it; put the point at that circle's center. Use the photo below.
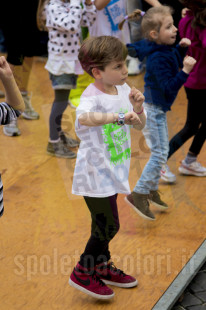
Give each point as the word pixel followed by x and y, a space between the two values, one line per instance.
pixel 107 109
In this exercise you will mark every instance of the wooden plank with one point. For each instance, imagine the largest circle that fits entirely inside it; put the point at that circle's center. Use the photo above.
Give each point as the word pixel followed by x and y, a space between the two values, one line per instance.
pixel 45 228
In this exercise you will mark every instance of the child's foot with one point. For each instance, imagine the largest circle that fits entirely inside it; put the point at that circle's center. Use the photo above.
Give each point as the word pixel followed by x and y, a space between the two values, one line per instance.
pixel 89 282
pixel 140 203
pixel 109 274
pixel 29 112
pixel 167 175
pixel 58 149
pixel 157 201
pixel 68 141
pixel 194 168
pixel 11 129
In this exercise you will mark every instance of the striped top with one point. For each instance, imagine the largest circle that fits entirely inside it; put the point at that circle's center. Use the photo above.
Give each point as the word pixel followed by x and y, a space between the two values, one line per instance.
pixel 7 114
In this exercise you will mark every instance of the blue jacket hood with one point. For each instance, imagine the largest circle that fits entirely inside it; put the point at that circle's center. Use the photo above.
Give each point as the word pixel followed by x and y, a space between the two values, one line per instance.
pixel 143 48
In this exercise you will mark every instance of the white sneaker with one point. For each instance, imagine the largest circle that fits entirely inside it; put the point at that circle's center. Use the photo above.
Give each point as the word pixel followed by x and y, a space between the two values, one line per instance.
pixel 194 168
pixel 11 129
pixel 29 112
pixel 167 175
pixel 135 67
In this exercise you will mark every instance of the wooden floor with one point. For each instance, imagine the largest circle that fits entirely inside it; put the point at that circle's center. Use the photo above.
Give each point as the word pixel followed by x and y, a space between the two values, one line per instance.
pixel 45 228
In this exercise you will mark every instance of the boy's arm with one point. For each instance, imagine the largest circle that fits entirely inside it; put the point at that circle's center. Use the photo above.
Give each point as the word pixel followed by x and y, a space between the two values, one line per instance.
pixel 12 93
pixel 93 119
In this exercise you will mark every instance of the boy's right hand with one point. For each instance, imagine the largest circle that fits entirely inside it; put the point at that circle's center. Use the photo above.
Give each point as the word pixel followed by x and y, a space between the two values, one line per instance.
pixel 5 70
pixel 188 64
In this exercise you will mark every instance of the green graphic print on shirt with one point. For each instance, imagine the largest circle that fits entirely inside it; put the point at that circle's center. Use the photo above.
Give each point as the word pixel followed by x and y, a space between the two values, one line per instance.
pixel 115 136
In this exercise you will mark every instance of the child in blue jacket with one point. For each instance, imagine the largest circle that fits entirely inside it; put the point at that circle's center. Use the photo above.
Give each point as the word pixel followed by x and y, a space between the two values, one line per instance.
pixel 163 79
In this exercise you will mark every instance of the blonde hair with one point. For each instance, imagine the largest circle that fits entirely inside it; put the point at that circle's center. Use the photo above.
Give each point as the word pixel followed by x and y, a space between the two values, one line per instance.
pixel 151 20
pixel 98 52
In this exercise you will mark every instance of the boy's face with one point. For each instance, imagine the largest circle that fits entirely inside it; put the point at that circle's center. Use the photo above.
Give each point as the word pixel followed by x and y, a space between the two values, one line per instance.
pixel 115 73
pixel 168 32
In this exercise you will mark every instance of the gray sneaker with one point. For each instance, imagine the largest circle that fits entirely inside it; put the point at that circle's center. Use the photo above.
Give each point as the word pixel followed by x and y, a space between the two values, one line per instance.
pixel 140 203
pixel 67 140
pixel 11 129
pixel 157 201
pixel 29 112
pixel 59 150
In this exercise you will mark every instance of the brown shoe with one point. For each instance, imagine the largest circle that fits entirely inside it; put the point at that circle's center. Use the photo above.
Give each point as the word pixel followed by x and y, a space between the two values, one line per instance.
pixel 156 200
pixel 58 149
pixel 140 203
pixel 67 140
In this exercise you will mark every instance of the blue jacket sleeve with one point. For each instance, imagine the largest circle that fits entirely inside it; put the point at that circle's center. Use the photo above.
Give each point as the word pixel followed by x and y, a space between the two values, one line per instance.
pixel 133 50
pixel 180 54
pixel 169 82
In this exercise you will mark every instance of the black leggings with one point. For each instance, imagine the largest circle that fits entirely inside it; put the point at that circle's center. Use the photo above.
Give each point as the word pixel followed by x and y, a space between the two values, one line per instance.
pixel 59 106
pixel 105 225
pixel 195 123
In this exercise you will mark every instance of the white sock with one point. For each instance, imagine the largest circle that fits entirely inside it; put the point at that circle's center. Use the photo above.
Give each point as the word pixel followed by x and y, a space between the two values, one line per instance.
pixel 54 141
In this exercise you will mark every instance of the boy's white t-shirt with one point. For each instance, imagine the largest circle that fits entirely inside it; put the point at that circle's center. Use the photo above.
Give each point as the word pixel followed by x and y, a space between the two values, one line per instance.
pixel 107 20
pixel 103 159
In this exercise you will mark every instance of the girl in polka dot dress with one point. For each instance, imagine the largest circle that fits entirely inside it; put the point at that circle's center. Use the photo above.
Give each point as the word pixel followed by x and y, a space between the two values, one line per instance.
pixel 63 20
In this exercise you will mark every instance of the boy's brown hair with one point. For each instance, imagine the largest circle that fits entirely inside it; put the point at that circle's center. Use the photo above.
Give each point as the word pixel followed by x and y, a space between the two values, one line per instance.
pixel 98 52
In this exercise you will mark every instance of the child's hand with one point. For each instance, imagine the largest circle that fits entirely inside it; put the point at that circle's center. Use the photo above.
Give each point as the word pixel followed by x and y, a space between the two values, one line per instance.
pixel 5 70
pixel 185 42
pixel 136 98
pixel 184 12
pixel 188 64
pixel 88 2
pixel 131 118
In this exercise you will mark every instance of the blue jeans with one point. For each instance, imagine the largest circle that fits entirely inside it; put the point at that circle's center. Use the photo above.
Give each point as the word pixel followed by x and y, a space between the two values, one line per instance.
pixel 156 135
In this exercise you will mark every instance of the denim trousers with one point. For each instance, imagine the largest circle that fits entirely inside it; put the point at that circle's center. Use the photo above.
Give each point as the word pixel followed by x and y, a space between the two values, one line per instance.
pixel 156 136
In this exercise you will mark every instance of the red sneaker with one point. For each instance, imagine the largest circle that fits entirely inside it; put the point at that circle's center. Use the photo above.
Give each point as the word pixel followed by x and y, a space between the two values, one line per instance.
pixel 109 274
pixel 88 282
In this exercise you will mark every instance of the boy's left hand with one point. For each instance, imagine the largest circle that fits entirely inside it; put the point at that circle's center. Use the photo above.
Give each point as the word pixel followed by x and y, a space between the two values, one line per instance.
pixel 136 98
pixel 185 42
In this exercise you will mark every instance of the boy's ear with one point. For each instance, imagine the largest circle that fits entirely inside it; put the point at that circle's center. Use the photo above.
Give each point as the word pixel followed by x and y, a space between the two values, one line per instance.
pixel 96 73
pixel 153 34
